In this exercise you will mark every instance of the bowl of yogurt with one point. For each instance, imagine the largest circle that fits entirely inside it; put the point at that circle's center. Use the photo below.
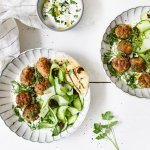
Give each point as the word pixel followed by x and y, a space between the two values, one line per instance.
pixel 60 15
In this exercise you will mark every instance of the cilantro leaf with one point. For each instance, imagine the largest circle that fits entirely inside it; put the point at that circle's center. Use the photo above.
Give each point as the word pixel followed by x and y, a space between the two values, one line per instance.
pixel 107 116
pixel 105 130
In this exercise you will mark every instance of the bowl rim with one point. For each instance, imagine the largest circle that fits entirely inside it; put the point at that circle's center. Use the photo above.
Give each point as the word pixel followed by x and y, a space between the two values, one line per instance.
pixel 55 29
pixel 68 133
pixel 101 56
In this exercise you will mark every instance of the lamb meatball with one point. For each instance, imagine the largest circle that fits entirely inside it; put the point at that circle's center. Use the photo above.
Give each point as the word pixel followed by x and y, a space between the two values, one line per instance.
pixel 23 99
pixel 43 66
pixel 144 80
pixel 123 31
pixel 31 112
pixel 41 86
pixel 120 64
pixel 125 47
pixel 27 76
pixel 138 64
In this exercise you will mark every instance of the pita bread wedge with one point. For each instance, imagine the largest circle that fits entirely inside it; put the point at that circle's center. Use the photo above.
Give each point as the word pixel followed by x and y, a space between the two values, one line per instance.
pixel 75 74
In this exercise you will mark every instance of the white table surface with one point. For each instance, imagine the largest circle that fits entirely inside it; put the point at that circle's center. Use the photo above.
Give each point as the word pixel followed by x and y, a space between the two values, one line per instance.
pixel 83 43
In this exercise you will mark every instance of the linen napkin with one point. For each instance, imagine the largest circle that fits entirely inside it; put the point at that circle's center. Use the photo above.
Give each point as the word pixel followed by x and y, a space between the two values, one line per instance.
pixel 23 10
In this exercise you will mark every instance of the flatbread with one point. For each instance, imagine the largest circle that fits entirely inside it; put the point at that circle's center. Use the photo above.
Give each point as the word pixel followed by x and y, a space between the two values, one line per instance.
pixel 75 75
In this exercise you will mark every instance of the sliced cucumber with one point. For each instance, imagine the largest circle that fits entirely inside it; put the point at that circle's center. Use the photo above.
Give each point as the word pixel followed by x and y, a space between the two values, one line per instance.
pixel 147 34
pixel 143 25
pixel 61 113
pixel 58 87
pixel 146 42
pixel 145 46
pixel 60 100
pixel 77 104
pixel 60 75
pixel 51 78
pixel 44 110
pixel 73 110
pixel 44 125
pixel 46 97
pixel 50 90
pixel 72 119
pixel 65 126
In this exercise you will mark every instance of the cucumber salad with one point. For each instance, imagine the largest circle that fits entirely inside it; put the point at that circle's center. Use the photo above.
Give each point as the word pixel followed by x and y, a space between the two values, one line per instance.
pixel 50 94
pixel 129 57
pixel 62 14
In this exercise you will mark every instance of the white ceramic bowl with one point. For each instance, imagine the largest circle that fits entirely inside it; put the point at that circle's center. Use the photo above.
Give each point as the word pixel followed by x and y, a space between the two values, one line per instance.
pixel 40 4
pixel 132 17
pixel 10 73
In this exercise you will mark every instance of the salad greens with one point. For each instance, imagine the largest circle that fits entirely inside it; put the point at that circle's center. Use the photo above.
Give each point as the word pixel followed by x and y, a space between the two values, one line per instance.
pixel 18 87
pixel 60 104
pixel 105 130
pixel 111 37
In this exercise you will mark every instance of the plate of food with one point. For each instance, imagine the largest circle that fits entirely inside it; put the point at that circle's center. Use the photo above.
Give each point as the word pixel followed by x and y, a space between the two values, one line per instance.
pixel 44 95
pixel 125 51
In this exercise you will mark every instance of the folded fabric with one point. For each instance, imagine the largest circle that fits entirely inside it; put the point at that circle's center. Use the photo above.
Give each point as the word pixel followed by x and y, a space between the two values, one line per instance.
pixel 23 10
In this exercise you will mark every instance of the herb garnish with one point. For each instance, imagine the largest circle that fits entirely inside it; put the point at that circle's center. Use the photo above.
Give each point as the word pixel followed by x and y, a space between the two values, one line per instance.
pixel 18 87
pixel 17 113
pixel 135 39
pixel 106 131
pixel 111 37
pixel 107 60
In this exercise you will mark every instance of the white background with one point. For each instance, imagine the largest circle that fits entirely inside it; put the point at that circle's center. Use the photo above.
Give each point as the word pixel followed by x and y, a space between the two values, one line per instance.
pixel 83 43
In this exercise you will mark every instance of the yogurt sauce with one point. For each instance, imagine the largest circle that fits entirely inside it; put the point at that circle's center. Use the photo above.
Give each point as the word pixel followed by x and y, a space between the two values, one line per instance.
pixel 62 14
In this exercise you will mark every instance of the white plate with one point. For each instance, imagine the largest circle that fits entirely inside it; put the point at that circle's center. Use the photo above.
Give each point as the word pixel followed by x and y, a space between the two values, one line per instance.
pixel 10 73
pixel 132 17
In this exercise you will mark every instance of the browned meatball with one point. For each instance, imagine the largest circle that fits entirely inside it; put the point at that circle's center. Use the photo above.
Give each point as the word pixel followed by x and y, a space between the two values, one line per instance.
pixel 43 66
pixel 138 64
pixel 125 47
pixel 123 31
pixel 23 99
pixel 120 64
pixel 27 76
pixel 31 112
pixel 40 87
pixel 144 80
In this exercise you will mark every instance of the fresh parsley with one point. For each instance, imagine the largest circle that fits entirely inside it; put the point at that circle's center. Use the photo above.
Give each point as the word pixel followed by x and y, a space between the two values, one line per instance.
pixel 135 39
pixel 111 37
pixel 73 2
pixel 18 87
pixel 106 131
pixel 107 60
pixel 17 113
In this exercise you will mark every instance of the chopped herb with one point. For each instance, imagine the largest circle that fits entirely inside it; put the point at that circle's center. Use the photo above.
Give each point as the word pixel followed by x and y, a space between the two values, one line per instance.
pixel 16 110
pixel 78 10
pixel 20 119
pixel 37 76
pixel 131 81
pixel 111 37
pixel 135 39
pixel 18 87
pixel 73 2
pixel 17 113
pixel 75 16
pixel 107 60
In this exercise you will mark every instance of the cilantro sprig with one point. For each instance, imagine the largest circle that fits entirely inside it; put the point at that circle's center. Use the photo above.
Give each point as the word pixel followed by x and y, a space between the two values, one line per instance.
pixel 105 130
